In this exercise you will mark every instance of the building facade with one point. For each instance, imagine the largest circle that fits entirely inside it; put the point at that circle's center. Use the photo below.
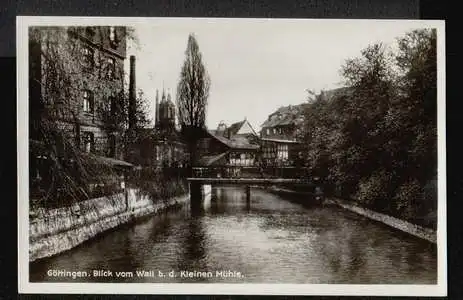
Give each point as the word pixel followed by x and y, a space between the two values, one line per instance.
pixel 77 77
pixel 236 145
pixel 162 145
pixel 281 145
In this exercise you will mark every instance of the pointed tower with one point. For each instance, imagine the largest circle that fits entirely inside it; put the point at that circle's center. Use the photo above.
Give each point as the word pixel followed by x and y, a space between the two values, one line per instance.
pixel 168 96
pixel 171 109
pixel 163 99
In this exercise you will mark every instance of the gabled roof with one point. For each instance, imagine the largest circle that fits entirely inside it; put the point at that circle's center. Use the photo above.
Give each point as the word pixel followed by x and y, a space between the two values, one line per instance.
pixel 233 129
pixel 241 144
pixel 285 115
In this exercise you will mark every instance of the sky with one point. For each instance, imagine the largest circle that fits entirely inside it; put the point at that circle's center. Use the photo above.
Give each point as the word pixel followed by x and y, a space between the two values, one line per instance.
pixel 255 65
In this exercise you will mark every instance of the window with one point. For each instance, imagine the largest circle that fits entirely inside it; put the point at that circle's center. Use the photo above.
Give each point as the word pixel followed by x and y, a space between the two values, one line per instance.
pixel 158 153
pixel 112 34
pixel 89 141
pixel 87 101
pixel 268 131
pixel 88 57
pixel 114 41
pixel 111 68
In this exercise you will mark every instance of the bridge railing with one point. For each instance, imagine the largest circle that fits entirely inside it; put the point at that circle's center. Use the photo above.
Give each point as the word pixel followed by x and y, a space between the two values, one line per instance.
pixel 249 172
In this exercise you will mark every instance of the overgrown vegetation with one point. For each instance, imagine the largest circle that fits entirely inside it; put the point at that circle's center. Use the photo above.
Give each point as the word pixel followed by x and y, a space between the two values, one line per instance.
pixel 376 142
pixel 61 172
pixel 160 184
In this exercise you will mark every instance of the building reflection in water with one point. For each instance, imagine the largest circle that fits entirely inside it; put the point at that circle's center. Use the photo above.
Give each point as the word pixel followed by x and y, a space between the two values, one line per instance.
pixel 194 255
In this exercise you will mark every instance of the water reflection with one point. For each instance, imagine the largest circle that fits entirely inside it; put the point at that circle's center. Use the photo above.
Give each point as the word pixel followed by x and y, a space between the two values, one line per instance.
pixel 269 239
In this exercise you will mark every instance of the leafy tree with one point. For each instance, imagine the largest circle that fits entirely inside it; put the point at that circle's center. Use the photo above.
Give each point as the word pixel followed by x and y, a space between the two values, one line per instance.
pixel 192 96
pixel 376 141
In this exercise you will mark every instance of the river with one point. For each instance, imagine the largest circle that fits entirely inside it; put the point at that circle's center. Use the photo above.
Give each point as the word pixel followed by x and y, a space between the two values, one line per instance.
pixel 270 240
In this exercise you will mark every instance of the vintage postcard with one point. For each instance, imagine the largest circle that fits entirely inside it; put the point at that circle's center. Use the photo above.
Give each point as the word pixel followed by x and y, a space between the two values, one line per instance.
pixel 231 156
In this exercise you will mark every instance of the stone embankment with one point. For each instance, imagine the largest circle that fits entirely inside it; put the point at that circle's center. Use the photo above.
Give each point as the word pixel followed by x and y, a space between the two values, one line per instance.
pixel 57 230
pixel 415 230
pixel 404 226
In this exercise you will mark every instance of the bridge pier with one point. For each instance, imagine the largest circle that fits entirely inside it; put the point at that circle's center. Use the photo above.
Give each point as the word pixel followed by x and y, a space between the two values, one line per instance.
pixel 248 197
pixel 248 194
pixel 196 196
pixel 197 192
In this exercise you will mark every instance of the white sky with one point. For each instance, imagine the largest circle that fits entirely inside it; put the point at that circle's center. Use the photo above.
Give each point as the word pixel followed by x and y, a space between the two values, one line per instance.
pixel 255 65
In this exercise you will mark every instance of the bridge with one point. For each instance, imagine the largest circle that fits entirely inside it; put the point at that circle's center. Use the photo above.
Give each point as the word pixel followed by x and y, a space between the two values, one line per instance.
pixel 247 181
pixel 213 176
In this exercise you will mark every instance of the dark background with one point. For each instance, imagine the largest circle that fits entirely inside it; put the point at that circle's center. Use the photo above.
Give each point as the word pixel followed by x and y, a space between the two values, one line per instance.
pixel 365 9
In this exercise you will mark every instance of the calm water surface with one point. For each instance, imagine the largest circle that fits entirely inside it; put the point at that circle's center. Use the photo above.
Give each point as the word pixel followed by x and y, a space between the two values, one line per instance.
pixel 270 240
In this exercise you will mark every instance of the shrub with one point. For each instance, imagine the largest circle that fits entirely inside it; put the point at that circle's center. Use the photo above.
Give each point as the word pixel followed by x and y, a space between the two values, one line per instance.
pixel 407 198
pixel 373 191
pixel 159 184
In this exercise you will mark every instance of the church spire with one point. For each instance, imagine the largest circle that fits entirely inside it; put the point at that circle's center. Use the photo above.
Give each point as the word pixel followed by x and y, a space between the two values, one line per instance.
pixel 169 98
pixel 163 95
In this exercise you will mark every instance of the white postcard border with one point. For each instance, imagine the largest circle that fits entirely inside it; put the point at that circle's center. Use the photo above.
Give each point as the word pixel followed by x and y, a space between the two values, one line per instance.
pixel 26 287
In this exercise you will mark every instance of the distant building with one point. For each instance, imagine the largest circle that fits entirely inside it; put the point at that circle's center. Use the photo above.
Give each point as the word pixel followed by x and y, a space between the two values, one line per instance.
pixel 165 112
pixel 280 135
pixel 337 93
pixel 236 145
pixel 162 146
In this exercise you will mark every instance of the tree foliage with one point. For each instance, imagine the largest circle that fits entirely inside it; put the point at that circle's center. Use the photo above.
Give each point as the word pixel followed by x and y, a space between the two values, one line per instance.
pixel 376 142
pixel 61 69
pixel 192 94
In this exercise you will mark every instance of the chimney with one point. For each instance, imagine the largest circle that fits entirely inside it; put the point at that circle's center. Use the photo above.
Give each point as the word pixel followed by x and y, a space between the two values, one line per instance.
pixel 156 112
pixel 132 94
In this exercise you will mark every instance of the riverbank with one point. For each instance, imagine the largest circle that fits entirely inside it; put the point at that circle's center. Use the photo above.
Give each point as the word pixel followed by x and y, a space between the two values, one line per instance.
pixel 404 226
pixel 57 230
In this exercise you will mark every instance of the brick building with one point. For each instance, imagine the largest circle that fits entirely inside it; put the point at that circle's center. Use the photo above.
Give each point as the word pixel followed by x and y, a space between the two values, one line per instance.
pixel 77 78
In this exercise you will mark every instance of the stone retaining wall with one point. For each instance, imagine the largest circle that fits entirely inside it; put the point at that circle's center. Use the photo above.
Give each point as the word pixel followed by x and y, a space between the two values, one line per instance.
pixel 413 229
pixel 57 230
pixel 418 231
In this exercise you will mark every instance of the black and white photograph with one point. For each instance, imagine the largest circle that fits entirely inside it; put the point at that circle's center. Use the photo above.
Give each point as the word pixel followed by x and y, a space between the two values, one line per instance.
pixel 237 156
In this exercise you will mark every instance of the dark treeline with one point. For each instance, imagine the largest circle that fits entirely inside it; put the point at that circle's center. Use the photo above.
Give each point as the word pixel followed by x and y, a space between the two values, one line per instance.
pixel 376 141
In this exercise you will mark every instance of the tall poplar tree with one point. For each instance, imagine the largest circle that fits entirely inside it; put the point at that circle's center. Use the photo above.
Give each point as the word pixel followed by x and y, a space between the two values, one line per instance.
pixel 192 96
